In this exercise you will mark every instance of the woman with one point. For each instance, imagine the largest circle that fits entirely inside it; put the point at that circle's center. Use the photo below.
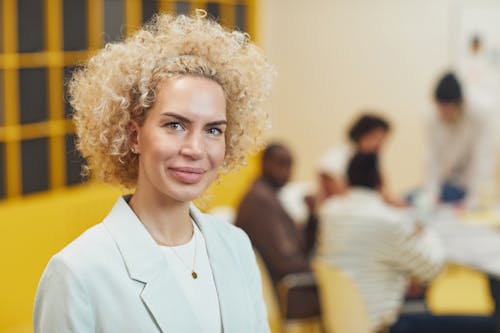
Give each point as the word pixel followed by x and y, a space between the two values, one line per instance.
pixel 163 112
pixel 367 135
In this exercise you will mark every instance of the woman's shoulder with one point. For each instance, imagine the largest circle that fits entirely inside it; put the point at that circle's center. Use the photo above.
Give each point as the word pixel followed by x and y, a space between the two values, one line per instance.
pixel 86 251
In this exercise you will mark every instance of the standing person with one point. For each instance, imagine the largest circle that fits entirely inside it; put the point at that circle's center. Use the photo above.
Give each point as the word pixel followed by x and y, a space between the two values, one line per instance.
pixel 162 113
pixel 284 248
pixel 376 245
pixel 461 151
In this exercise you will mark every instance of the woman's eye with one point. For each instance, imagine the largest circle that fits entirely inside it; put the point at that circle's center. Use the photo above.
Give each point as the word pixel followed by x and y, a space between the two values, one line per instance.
pixel 214 131
pixel 174 126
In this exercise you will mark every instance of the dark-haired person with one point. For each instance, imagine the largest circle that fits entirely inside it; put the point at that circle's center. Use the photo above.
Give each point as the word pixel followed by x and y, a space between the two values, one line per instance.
pixel 367 134
pixel 381 250
pixel 462 154
pixel 284 248
pixel 461 151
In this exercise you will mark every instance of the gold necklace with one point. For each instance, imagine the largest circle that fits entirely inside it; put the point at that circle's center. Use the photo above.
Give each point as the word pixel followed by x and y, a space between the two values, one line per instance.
pixel 193 272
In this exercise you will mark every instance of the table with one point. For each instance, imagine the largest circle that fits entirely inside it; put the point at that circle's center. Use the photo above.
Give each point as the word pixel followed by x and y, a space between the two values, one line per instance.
pixel 476 245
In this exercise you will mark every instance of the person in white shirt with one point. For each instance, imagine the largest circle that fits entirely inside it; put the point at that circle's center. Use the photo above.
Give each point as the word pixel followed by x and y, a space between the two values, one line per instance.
pixel 367 134
pixel 161 114
pixel 381 249
pixel 461 148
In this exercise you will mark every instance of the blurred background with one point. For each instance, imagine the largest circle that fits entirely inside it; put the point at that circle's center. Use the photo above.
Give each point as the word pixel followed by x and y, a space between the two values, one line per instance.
pixel 334 58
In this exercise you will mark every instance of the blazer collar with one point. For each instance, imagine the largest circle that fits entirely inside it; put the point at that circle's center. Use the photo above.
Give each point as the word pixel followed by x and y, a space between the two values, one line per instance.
pixel 146 263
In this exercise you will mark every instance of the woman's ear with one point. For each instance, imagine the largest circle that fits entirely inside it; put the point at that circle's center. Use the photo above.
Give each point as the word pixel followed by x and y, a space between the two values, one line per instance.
pixel 133 136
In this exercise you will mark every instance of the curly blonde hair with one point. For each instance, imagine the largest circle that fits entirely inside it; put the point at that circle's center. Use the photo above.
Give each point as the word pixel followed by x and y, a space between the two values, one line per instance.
pixel 120 84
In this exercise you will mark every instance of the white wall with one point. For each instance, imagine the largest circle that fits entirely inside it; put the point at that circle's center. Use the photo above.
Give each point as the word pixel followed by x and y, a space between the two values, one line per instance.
pixel 335 57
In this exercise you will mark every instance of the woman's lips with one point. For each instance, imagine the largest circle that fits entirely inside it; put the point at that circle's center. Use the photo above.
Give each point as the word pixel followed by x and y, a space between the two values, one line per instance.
pixel 187 175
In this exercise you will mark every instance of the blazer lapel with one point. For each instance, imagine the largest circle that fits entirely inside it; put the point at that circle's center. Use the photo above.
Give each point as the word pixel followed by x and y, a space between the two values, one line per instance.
pixel 146 263
pixel 233 297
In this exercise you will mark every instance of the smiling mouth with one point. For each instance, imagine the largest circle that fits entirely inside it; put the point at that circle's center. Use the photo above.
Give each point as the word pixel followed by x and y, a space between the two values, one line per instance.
pixel 187 175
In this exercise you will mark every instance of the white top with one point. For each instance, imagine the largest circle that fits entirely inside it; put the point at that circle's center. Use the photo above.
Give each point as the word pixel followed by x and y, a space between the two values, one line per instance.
pixel 201 292
pixel 378 247
pixel 335 161
pixel 463 154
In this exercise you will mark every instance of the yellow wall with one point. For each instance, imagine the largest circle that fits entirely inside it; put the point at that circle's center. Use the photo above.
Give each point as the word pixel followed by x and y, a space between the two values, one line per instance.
pixel 31 231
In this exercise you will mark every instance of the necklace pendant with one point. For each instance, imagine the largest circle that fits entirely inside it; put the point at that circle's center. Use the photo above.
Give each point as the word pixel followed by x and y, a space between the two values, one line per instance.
pixel 194 275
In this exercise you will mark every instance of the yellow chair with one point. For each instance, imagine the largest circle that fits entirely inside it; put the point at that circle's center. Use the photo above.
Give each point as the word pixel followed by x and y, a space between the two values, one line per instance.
pixel 344 310
pixel 270 298
pixel 276 306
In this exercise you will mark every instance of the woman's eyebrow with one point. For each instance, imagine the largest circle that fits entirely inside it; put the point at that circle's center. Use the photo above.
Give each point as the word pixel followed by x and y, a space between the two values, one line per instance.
pixel 217 123
pixel 177 116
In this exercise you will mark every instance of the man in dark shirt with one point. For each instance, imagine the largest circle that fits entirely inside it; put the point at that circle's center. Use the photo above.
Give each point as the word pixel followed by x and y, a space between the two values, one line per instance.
pixel 283 246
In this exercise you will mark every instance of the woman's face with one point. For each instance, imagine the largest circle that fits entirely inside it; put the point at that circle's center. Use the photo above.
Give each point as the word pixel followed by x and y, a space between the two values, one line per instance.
pixel 181 144
pixel 372 141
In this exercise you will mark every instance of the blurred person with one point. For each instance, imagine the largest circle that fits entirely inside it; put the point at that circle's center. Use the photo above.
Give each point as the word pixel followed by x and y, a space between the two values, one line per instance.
pixel 161 113
pixel 461 149
pixel 283 246
pixel 383 252
pixel 462 153
pixel 366 135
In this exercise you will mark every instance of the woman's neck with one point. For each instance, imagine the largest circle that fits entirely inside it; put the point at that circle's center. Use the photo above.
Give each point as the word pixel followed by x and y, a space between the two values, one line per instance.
pixel 167 220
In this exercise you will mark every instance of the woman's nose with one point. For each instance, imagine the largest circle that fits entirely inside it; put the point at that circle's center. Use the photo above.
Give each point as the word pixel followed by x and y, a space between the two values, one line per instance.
pixel 193 146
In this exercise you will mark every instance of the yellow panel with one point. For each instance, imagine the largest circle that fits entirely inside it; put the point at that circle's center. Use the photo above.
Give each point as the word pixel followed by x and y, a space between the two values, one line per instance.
pixel 12 148
pixel 76 57
pixel 230 189
pixel 32 230
pixel 166 6
pixel 459 290
pixel 9 26
pixel 95 23
pixel 227 15
pixel 36 130
pixel 252 14
pixel 53 21
pixel 199 4
pixel 133 16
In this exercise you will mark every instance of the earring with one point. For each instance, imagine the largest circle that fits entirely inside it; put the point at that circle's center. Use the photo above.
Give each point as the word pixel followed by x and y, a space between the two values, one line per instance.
pixel 133 150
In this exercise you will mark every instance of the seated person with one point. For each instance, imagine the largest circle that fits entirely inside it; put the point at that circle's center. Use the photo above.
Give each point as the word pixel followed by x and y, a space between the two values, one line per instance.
pixel 283 247
pixel 382 251
pixel 366 135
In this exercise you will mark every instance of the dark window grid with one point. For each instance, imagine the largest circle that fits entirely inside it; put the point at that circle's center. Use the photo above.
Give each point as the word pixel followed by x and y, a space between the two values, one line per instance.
pixel 214 10
pixel 30 25
pixel 240 17
pixel 74 162
pixel 149 8
pixel 33 95
pixel 75 25
pixel 114 19
pixel 182 7
pixel 35 165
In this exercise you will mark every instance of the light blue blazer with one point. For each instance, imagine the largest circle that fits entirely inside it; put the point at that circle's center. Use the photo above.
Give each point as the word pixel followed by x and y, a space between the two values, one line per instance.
pixel 115 278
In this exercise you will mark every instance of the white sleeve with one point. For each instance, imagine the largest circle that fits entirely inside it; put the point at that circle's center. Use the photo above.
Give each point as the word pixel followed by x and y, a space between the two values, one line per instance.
pixel 483 161
pixel 61 303
pixel 420 255
pixel 433 161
